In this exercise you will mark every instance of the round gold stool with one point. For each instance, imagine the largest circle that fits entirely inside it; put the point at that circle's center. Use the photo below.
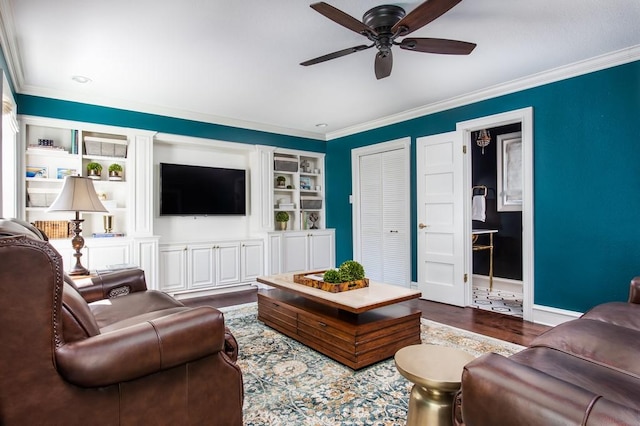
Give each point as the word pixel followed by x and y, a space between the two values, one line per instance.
pixel 435 372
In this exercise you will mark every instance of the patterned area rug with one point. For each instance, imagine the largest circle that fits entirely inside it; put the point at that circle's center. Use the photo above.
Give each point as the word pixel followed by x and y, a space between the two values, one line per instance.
pixel 287 383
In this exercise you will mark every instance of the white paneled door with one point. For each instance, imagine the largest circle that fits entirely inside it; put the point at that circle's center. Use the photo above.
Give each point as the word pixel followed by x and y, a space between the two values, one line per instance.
pixel 440 216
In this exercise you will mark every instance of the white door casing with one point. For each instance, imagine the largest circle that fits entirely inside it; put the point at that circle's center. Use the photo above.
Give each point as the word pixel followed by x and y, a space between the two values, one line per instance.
pixel 440 216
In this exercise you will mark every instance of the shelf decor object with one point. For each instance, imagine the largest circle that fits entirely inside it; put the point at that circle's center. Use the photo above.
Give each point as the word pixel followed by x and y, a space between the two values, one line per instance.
pixel 77 195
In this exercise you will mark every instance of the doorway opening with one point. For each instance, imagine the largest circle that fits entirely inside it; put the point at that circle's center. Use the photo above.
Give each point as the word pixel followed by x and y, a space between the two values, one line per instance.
pixel 509 214
pixel 496 219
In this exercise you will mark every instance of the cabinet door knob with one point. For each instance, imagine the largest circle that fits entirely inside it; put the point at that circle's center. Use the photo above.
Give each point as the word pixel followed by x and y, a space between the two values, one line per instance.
pixel 422 226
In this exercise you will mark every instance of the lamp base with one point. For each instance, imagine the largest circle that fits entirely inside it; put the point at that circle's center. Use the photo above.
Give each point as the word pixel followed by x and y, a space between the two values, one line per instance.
pixel 75 271
pixel 77 242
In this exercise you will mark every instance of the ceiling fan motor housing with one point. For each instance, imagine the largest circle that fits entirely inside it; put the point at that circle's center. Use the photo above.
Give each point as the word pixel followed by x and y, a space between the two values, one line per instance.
pixel 381 19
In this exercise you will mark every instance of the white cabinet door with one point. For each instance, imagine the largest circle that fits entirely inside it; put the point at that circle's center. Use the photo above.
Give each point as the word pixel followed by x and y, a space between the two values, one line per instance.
pixel 100 254
pixel 173 273
pixel 201 263
pixel 307 250
pixel 296 252
pixel 227 263
pixel 321 250
pixel 251 260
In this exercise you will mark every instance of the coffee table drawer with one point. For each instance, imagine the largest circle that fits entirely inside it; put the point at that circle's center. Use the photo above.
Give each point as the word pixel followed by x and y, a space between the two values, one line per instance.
pixel 277 313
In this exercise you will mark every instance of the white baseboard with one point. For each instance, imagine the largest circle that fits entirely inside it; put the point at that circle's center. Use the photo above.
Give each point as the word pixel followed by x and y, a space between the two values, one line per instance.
pixel 210 292
pixel 547 315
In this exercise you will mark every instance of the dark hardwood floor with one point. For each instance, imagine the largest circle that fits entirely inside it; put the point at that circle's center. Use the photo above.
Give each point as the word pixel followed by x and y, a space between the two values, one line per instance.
pixel 499 326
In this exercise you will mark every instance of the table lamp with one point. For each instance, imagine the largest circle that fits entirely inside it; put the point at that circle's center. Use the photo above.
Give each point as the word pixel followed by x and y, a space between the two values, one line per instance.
pixel 77 195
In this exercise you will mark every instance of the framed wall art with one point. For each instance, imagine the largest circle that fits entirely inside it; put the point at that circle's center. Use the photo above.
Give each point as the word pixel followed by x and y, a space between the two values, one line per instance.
pixel 509 161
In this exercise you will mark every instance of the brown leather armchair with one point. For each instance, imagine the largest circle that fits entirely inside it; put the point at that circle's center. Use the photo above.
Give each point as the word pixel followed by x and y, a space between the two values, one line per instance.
pixel 71 355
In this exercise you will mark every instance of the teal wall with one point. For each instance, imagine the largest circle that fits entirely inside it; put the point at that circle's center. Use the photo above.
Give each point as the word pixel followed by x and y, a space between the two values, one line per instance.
pixel 586 174
pixel 55 108
pixel 586 182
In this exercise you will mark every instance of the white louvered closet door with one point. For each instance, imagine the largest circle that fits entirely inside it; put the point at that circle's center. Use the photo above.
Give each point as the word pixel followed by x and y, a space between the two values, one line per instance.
pixel 385 243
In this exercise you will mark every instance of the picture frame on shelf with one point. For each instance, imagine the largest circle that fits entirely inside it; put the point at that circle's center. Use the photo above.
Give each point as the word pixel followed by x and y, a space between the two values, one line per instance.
pixel 64 171
pixel 39 172
pixel 305 182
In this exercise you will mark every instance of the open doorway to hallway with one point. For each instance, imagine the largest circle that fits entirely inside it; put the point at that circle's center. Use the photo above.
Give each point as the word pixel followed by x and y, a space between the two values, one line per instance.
pixel 496 215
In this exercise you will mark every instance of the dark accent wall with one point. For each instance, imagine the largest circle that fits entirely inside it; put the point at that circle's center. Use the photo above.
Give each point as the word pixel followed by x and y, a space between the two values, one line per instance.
pixel 586 182
pixel 507 242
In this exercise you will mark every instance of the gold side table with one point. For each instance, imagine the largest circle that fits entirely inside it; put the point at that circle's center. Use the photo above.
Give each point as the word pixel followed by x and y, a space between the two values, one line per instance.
pixel 436 372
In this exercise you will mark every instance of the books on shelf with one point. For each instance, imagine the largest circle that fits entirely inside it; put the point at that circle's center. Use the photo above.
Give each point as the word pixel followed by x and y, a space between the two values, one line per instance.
pixel 107 234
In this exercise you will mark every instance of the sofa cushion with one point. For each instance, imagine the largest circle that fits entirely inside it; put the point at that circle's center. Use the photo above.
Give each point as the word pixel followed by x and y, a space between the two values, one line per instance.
pixel 614 384
pixel 110 311
pixel 141 318
pixel 78 321
pixel 618 313
pixel 596 341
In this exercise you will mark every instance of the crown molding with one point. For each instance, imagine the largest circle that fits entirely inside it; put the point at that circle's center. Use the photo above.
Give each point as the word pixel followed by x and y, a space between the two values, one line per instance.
pixel 575 69
pixel 170 112
pixel 9 46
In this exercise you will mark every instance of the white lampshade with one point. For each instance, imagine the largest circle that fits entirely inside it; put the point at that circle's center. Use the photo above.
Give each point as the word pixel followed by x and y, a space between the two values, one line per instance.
pixel 77 195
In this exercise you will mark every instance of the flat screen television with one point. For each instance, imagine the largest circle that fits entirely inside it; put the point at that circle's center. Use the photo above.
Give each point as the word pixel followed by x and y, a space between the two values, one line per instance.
pixel 199 190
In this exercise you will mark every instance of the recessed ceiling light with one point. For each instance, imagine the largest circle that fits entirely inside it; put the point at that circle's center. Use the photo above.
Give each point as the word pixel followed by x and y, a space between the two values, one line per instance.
pixel 81 79
pixel 321 125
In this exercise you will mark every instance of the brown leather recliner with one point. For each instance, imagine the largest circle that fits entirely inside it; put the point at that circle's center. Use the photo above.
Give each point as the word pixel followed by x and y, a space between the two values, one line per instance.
pixel 71 355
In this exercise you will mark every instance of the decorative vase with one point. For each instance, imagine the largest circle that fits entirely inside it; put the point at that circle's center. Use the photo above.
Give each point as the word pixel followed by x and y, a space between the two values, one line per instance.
pixel 283 226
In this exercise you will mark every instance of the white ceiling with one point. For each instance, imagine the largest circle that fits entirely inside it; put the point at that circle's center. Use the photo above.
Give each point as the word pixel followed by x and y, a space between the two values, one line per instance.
pixel 237 62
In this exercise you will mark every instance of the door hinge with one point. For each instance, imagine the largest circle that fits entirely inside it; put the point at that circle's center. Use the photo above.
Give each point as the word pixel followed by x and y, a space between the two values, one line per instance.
pixel 466 277
pixel 464 149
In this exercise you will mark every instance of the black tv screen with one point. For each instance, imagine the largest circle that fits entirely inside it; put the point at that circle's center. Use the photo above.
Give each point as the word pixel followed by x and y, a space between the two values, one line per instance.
pixel 199 190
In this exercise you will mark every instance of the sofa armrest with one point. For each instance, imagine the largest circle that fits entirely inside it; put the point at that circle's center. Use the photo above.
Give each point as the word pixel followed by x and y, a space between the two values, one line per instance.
pixel 142 349
pixel 108 285
pixel 634 291
pixel 496 390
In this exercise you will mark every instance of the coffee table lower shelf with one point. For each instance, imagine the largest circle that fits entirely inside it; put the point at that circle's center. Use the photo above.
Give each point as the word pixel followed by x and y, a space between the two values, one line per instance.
pixel 355 340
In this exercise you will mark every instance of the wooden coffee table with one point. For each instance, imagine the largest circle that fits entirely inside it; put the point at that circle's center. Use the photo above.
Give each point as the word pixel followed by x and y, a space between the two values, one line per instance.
pixel 356 328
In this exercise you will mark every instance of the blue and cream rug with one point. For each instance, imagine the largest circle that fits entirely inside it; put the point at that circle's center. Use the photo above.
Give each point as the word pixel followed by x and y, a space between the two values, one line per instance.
pixel 287 383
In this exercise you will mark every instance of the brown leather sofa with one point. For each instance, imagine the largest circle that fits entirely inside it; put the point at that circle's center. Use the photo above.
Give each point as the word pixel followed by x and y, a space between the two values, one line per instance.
pixel 582 372
pixel 108 353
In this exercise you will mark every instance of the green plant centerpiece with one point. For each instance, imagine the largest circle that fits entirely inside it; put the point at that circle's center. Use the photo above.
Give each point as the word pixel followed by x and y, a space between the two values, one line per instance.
pixel 94 170
pixel 349 270
pixel 281 180
pixel 349 276
pixel 282 218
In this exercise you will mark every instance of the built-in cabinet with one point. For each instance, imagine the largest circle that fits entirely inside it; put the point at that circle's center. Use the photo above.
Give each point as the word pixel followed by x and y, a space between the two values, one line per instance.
pixel 294 251
pixel 53 152
pixel 52 149
pixel 202 266
pixel 298 189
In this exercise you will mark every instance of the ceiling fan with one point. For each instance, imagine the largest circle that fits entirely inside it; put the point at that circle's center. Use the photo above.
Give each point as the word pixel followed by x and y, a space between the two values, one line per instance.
pixel 383 24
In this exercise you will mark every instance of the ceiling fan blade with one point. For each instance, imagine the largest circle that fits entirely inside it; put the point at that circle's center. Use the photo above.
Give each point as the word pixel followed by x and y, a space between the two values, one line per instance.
pixel 335 55
pixel 423 14
pixel 338 16
pixel 438 45
pixel 383 64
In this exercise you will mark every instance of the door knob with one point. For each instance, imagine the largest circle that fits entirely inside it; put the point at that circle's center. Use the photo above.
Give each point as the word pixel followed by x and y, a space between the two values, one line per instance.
pixel 422 226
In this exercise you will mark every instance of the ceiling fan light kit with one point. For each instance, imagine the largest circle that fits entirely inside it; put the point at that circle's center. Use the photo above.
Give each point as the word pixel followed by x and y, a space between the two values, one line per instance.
pixel 383 24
